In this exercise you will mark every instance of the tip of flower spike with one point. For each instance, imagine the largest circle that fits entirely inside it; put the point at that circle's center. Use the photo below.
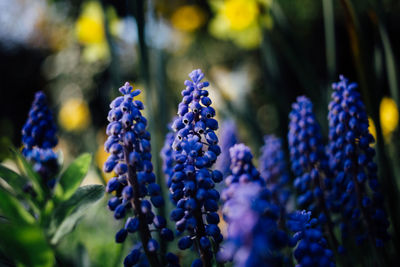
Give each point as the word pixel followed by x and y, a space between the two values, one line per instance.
pixel 39 95
pixel 40 98
pixel 342 78
pixel 302 98
pixel 272 141
pixel 302 103
pixel 241 152
pixel 126 88
pixel 196 75
pixel 341 84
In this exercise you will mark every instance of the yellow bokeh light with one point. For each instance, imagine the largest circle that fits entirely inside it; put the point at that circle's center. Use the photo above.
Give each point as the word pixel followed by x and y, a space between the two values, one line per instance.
pixel 94 52
pixel 74 115
pixel 240 21
pixel 188 18
pixel 89 30
pixel 101 157
pixel 240 13
pixel 371 127
pixel 89 26
pixel 389 116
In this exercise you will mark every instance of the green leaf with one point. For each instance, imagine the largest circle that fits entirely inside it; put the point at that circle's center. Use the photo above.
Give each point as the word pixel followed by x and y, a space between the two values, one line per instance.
pixel 26 244
pixel 68 213
pixel 74 174
pixel 16 184
pixel 391 66
pixel 82 256
pixel 11 208
pixel 16 181
pixel 33 176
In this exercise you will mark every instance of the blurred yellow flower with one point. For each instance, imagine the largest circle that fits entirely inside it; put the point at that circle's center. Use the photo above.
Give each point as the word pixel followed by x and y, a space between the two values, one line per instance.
pixel 101 157
pixel 240 21
pixel 188 18
pixel 389 115
pixel 89 26
pixel 94 52
pixel 371 127
pixel 90 32
pixel 240 13
pixel 74 115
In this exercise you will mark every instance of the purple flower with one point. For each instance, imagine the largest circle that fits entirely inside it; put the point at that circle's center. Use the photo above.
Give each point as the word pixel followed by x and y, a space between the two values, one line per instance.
pixel 192 182
pixel 312 249
pixel 253 236
pixel 356 193
pixel 273 169
pixel 166 155
pixel 129 144
pixel 310 164
pixel 229 137
pixel 39 138
pixel 242 170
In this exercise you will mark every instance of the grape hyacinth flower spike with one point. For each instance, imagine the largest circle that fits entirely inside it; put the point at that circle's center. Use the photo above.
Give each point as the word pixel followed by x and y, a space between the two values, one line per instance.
pixel 242 170
pixel 312 249
pixel 192 183
pixel 274 171
pixel 39 138
pixel 228 137
pixel 129 144
pixel 310 163
pixel 253 237
pixel 166 154
pixel 356 191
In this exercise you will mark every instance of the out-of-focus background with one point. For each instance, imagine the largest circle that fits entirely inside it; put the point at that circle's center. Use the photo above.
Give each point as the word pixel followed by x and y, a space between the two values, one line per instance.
pixel 258 55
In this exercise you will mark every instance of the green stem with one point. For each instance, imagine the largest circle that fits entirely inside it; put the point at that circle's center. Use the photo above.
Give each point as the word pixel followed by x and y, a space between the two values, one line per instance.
pixel 114 65
pixel 329 25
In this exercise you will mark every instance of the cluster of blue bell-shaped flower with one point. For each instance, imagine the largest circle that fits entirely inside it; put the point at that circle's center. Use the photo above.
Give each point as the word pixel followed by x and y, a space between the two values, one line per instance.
pixel 242 170
pixel 253 236
pixel 129 145
pixel 39 138
pixel 229 137
pixel 355 193
pixel 308 158
pixel 274 170
pixel 192 182
pixel 312 248
pixel 166 155
pixel 255 203
pixel 310 165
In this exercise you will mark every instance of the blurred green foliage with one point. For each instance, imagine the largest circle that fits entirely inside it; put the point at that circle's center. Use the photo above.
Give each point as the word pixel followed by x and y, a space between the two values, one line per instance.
pixel 32 225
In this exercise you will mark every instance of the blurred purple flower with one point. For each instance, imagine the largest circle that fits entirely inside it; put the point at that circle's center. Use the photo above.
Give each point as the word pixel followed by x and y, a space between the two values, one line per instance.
pixel 229 137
